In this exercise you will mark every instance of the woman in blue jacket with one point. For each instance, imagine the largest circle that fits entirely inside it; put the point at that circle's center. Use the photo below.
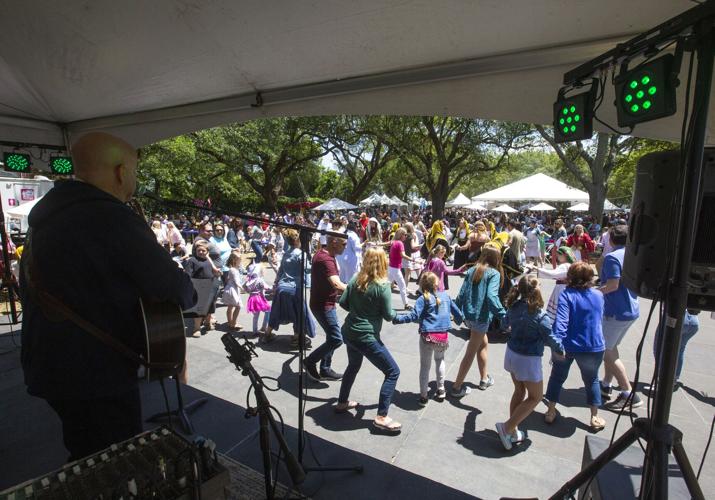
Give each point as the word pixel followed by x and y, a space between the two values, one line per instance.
pixel 530 331
pixel 479 301
pixel 578 328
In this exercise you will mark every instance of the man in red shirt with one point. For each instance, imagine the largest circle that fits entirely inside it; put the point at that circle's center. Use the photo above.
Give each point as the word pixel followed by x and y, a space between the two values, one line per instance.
pixel 324 287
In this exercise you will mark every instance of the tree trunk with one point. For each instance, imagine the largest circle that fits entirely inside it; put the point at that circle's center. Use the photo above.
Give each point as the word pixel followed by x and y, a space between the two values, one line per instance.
pixel 596 200
pixel 439 198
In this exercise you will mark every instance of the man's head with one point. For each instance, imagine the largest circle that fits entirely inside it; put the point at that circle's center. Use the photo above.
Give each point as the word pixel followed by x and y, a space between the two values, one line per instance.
pixel 336 246
pixel 106 162
pixel 206 230
pixel 619 235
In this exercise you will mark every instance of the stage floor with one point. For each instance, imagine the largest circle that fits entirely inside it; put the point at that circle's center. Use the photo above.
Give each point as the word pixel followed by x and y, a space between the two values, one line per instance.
pixel 447 449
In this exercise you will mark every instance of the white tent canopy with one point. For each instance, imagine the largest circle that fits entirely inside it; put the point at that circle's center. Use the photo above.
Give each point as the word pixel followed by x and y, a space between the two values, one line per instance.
pixel 22 210
pixel 504 208
pixel 460 201
pixel 152 70
pixel 398 202
pixel 579 207
pixel 476 205
pixel 542 207
pixel 373 199
pixel 537 187
pixel 335 204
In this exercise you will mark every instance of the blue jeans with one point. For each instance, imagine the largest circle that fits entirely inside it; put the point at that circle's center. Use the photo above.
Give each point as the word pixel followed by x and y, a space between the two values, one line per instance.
pixel 380 357
pixel 690 328
pixel 588 363
pixel 328 321
pixel 258 250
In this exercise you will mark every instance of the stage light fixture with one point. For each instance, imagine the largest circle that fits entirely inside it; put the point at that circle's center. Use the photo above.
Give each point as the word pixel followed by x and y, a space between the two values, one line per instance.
pixel 646 92
pixel 61 165
pixel 573 116
pixel 17 162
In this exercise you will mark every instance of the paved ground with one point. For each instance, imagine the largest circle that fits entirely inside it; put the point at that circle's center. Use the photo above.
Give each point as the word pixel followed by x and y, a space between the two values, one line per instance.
pixel 446 450
pixel 454 442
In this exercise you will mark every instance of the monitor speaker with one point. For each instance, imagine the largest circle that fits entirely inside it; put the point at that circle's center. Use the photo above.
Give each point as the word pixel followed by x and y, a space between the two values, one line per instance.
pixel 653 229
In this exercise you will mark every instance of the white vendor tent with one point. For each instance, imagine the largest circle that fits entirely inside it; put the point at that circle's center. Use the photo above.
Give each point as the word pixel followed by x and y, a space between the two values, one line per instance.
pixel 476 205
pixel 372 200
pixel 335 204
pixel 398 202
pixel 542 207
pixel 151 70
pixel 537 187
pixel 505 208
pixel 460 201
pixel 579 207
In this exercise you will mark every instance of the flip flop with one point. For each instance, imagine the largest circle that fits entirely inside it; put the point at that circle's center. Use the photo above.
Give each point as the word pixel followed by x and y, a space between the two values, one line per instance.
pixel 390 426
pixel 351 405
pixel 597 423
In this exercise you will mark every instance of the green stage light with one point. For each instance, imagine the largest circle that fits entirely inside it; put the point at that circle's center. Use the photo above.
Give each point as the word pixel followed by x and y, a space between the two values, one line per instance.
pixel 646 92
pixel 573 116
pixel 61 165
pixel 17 162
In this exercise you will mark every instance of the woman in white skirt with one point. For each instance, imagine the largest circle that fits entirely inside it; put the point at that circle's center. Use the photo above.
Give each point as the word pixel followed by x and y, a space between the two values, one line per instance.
pixel 412 248
pixel 533 249
pixel 530 331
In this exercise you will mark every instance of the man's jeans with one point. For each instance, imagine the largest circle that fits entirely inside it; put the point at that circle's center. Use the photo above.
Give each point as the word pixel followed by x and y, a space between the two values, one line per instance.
pixel 328 321
pixel 380 357
pixel 690 328
pixel 258 250
pixel 588 363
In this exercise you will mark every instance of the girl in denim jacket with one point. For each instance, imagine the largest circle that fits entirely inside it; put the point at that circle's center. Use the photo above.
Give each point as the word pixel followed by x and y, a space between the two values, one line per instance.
pixel 432 311
pixel 530 331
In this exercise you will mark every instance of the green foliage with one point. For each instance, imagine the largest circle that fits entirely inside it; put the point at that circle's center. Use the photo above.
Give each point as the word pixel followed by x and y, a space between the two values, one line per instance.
pixel 621 183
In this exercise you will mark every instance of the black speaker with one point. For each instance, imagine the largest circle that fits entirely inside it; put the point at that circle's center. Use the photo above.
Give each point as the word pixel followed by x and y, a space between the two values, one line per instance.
pixel 653 230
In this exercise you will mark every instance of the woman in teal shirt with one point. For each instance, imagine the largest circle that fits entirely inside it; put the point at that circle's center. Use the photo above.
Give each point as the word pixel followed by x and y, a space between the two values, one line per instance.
pixel 368 300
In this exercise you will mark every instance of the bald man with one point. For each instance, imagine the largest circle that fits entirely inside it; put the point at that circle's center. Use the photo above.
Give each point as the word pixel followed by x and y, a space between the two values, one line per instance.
pixel 91 252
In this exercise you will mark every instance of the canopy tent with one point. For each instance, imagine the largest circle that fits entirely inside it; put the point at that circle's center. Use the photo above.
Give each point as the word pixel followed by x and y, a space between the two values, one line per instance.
pixel 476 205
pixel 579 207
pixel 542 207
pixel 22 210
pixel 460 201
pixel 398 202
pixel 504 208
pixel 537 187
pixel 335 204
pixel 151 70
pixel 372 200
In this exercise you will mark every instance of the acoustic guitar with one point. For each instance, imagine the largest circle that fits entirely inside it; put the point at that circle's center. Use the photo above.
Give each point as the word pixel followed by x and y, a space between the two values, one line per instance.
pixel 165 338
pixel 164 332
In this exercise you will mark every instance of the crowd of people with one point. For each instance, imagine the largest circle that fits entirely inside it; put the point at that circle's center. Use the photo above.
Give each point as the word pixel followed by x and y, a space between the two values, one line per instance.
pixel 501 260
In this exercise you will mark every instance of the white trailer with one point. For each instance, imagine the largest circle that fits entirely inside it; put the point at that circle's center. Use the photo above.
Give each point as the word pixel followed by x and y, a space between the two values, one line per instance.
pixel 16 191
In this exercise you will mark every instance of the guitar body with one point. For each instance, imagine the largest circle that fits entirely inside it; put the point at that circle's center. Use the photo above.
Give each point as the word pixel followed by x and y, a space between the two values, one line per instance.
pixel 165 338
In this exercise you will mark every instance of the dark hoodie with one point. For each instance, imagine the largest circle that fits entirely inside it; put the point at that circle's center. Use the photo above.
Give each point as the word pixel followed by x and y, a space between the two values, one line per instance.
pixel 97 256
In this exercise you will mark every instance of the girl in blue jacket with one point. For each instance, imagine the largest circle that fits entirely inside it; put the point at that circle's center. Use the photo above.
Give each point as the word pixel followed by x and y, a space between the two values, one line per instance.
pixel 530 331
pixel 432 311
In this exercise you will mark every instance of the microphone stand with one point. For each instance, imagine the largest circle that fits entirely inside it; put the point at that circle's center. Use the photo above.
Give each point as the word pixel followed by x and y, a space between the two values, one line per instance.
pixel 240 355
pixel 305 233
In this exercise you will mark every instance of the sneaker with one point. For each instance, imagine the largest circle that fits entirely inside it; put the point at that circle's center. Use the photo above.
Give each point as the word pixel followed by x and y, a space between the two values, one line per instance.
pixel 196 334
pixel 484 384
pixel 312 371
pixel 622 401
pixel 423 401
pixel 504 437
pixel 462 392
pixel 330 374
pixel 441 393
pixel 606 390
pixel 648 389
pixel 517 437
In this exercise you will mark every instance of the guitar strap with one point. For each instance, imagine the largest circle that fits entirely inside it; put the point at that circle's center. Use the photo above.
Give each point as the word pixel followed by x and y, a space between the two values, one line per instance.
pixel 55 310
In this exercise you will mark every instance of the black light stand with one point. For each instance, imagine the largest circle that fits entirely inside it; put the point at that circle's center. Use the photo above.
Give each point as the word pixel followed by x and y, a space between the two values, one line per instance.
pixel 240 355
pixel 662 438
pixel 305 234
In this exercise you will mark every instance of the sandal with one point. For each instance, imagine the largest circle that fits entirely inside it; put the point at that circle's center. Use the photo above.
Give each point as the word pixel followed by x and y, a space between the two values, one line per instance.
pixel 597 423
pixel 550 416
pixel 344 407
pixel 390 426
